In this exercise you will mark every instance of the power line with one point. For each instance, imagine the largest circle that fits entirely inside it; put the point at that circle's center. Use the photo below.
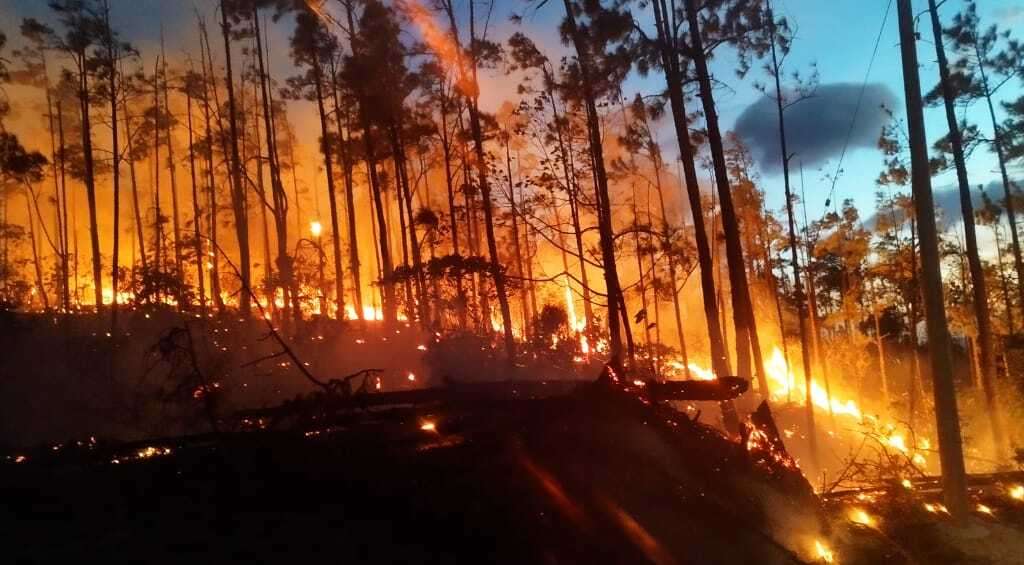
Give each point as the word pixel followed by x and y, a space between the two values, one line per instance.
pixel 856 109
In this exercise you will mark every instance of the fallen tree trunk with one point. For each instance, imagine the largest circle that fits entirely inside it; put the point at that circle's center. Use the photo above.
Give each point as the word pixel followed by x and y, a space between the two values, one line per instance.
pixel 724 388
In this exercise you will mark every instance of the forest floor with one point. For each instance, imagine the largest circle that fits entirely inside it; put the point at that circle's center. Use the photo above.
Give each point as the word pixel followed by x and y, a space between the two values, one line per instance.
pixel 559 472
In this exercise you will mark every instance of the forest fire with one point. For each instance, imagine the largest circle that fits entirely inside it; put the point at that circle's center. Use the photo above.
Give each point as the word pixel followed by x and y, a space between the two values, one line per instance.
pixel 415 247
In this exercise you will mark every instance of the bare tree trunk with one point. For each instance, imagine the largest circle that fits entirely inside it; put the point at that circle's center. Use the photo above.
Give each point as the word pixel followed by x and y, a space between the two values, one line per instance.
pixel 460 290
pixel 65 271
pixel 801 300
pixel 410 299
pixel 237 192
pixel 497 273
pixel 1011 214
pixel 90 182
pixel 469 75
pixel 388 307
pixel 516 247
pixel 954 481
pixel 158 228
pixel 179 263
pixel 215 289
pixel 376 248
pixel 882 365
pixel 284 261
pixel 115 149
pixel 565 148
pixel 980 293
pixel 339 274
pixel 345 158
pixel 611 275
pixel 422 311
pixel 743 315
pixel 54 155
pixel 269 286
pixel 136 210
pixel 35 250
pixel 196 216
pixel 673 76
pixel 1005 287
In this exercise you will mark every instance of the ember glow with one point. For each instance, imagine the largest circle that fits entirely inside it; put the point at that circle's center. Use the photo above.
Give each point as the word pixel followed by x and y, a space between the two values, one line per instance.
pixel 823 552
pixel 860 516
pixel 1016 492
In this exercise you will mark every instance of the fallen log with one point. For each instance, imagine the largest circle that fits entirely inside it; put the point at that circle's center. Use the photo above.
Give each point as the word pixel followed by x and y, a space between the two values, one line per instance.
pixel 720 389
pixel 318 404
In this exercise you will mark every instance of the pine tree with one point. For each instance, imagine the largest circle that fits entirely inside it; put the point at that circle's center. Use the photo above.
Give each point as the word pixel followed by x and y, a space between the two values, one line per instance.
pixel 238 194
pixel 986 60
pixel 980 293
pixel 82 26
pixel 954 483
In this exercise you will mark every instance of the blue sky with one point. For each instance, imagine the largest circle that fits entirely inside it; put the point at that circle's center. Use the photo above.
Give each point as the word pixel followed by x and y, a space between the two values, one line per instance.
pixel 839 37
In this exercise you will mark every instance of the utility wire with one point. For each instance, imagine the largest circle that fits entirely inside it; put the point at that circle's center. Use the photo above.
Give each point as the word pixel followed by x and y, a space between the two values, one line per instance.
pixel 856 109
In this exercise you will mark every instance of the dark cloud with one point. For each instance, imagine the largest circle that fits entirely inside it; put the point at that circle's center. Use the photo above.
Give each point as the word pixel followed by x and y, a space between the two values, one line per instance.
pixel 816 128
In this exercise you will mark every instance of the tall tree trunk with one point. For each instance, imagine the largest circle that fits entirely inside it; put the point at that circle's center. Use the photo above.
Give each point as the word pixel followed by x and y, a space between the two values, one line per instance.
pixel 158 228
pixel 35 250
pixel 397 160
pixel 325 148
pixel 577 230
pixel 883 370
pixel 468 73
pixel 270 282
pixel 115 149
pixel 405 192
pixel 497 273
pixel 237 192
pixel 446 149
pixel 954 481
pixel 565 149
pixel 641 281
pixel 65 270
pixel 90 182
pixel 801 301
pixel 196 216
pixel 345 158
pixel 215 289
pixel 674 78
pixel 980 293
pixel 1005 287
pixel 1011 213
pixel 611 274
pixel 388 307
pixel 743 314
pixel 140 235
pixel 516 247
pixel 54 155
pixel 172 168
pixel 379 299
pixel 284 261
